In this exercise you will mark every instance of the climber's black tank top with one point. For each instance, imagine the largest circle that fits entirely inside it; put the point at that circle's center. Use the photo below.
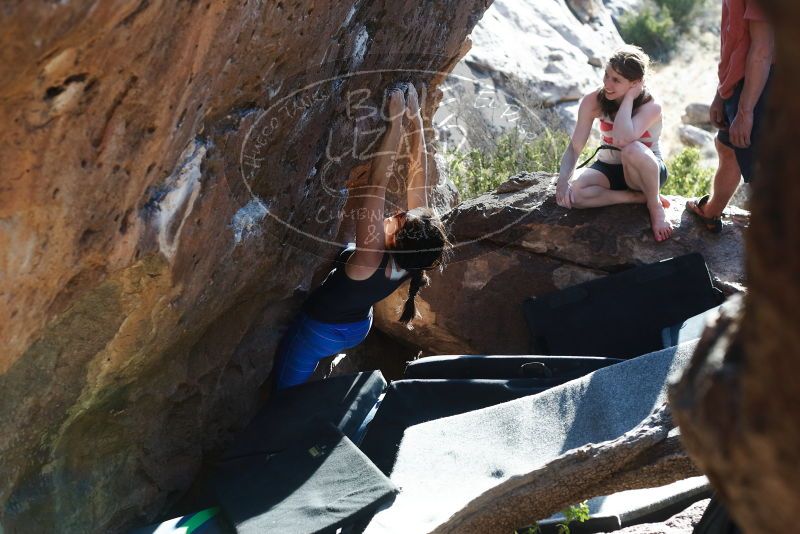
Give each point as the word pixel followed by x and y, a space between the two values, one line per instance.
pixel 340 299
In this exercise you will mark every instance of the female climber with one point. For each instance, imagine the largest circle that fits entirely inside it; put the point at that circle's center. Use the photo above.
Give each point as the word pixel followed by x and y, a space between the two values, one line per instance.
pixel 629 168
pixel 388 251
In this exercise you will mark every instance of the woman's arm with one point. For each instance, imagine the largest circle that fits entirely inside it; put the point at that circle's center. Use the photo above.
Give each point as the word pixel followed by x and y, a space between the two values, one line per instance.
pixel 418 190
pixel 587 112
pixel 370 236
pixel 627 127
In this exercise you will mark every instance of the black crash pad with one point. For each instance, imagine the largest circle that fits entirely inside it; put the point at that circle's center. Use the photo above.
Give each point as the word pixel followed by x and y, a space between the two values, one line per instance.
pixel 623 314
pixel 550 370
pixel 316 484
pixel 411 402
pixel 292 413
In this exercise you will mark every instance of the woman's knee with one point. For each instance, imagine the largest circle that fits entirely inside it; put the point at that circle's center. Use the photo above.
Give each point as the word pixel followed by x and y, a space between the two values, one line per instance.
pixel 634 152
pixel 640 157
pixel 578 195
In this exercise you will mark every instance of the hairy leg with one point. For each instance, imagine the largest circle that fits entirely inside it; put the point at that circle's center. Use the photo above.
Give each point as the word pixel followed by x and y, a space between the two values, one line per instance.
pixel 591 189
pixel 642 174
pixel 726 180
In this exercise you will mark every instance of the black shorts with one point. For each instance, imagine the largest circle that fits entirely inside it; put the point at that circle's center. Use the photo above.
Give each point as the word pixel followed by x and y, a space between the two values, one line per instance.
pixel 745 157
pixel 616 176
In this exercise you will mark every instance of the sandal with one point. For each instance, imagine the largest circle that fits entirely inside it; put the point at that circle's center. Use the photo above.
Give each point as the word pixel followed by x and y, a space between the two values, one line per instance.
pixel 712 224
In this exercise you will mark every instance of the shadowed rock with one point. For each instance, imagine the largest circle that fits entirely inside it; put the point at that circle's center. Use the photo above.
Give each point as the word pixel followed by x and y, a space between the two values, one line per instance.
pixel 172 174
pixel 517 243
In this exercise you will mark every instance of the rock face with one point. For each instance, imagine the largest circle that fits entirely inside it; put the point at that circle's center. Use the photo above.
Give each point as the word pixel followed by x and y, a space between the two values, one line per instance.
pixel 555 48
pixel 697 114
pixel 619 8
pixel 696 137
pixel 519 243
pixel 529 64
pixel 172 174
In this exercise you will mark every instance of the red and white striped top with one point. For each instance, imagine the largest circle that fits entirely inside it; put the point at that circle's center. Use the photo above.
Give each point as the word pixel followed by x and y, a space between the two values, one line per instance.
pixel 649 139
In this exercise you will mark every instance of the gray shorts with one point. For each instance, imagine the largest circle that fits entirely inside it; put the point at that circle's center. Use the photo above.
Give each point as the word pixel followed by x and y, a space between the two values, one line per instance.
pixel 746 157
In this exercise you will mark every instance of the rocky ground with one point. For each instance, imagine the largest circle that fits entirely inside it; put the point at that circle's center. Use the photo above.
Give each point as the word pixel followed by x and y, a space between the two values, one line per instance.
pixel 681 523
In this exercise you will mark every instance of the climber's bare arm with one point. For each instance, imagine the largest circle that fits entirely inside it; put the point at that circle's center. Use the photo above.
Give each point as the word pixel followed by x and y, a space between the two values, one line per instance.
pixel 370 236
pixel 588 111
pixel 418 185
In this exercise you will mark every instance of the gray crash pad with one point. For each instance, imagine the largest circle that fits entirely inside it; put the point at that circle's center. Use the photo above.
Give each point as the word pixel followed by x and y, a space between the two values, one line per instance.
pixel 443 464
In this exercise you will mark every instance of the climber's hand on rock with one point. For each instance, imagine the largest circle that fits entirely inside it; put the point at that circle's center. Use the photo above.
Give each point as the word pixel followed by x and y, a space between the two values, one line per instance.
pixel 397 104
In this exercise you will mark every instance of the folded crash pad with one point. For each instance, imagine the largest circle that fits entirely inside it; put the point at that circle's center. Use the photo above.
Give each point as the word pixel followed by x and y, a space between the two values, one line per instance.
pixel 410 402
pixel 316 484
pixel 343 401
pixel 621 315
pixel 551 370
pixel 443 464
pixel 291 414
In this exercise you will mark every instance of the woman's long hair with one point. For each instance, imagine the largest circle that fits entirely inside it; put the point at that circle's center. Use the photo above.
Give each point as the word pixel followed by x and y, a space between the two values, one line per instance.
pixel 631 62
pixel 420 245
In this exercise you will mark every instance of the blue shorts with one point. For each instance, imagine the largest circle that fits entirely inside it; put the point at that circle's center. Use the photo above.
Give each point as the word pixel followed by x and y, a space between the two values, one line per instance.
pixel 616 176
pixel 746 157
pixel 307 341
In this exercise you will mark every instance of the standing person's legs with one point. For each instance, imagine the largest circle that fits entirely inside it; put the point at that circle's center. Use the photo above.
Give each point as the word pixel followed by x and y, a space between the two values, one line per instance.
pixel 726 180
pixel 643 173
pixel 307 342
pixel 735 163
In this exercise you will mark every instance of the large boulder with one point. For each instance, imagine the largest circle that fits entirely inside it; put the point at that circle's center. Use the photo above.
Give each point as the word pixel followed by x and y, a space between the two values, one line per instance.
pixel 173 173
pixel 518 243
pixel 557 49
pixel 529 64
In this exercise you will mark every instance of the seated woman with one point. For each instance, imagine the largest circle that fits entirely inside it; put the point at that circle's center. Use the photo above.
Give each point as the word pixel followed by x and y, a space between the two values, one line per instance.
pixel 629 168
pixel 338 314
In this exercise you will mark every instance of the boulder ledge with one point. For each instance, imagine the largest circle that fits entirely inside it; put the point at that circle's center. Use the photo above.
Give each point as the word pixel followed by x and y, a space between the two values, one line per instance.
pixel 516 243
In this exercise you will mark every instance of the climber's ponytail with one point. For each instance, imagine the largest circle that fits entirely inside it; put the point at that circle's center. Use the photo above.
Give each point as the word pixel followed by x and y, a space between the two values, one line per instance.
pixel 420 245
pixel 419 279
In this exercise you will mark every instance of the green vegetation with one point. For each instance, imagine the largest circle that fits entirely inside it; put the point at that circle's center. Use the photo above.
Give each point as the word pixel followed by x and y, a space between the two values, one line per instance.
pixel 477 171
pixel 659 25
pixel 576 512
pixel 651 28
pixel 686 176
pixel 681 11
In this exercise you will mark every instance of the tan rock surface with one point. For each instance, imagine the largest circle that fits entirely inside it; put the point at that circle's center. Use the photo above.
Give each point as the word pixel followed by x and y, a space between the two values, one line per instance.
pixel 519 243
pixel 160 203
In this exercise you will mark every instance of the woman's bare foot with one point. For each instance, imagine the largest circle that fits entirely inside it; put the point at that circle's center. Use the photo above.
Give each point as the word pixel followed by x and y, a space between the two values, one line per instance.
pixel 662 227
pixel 664 201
